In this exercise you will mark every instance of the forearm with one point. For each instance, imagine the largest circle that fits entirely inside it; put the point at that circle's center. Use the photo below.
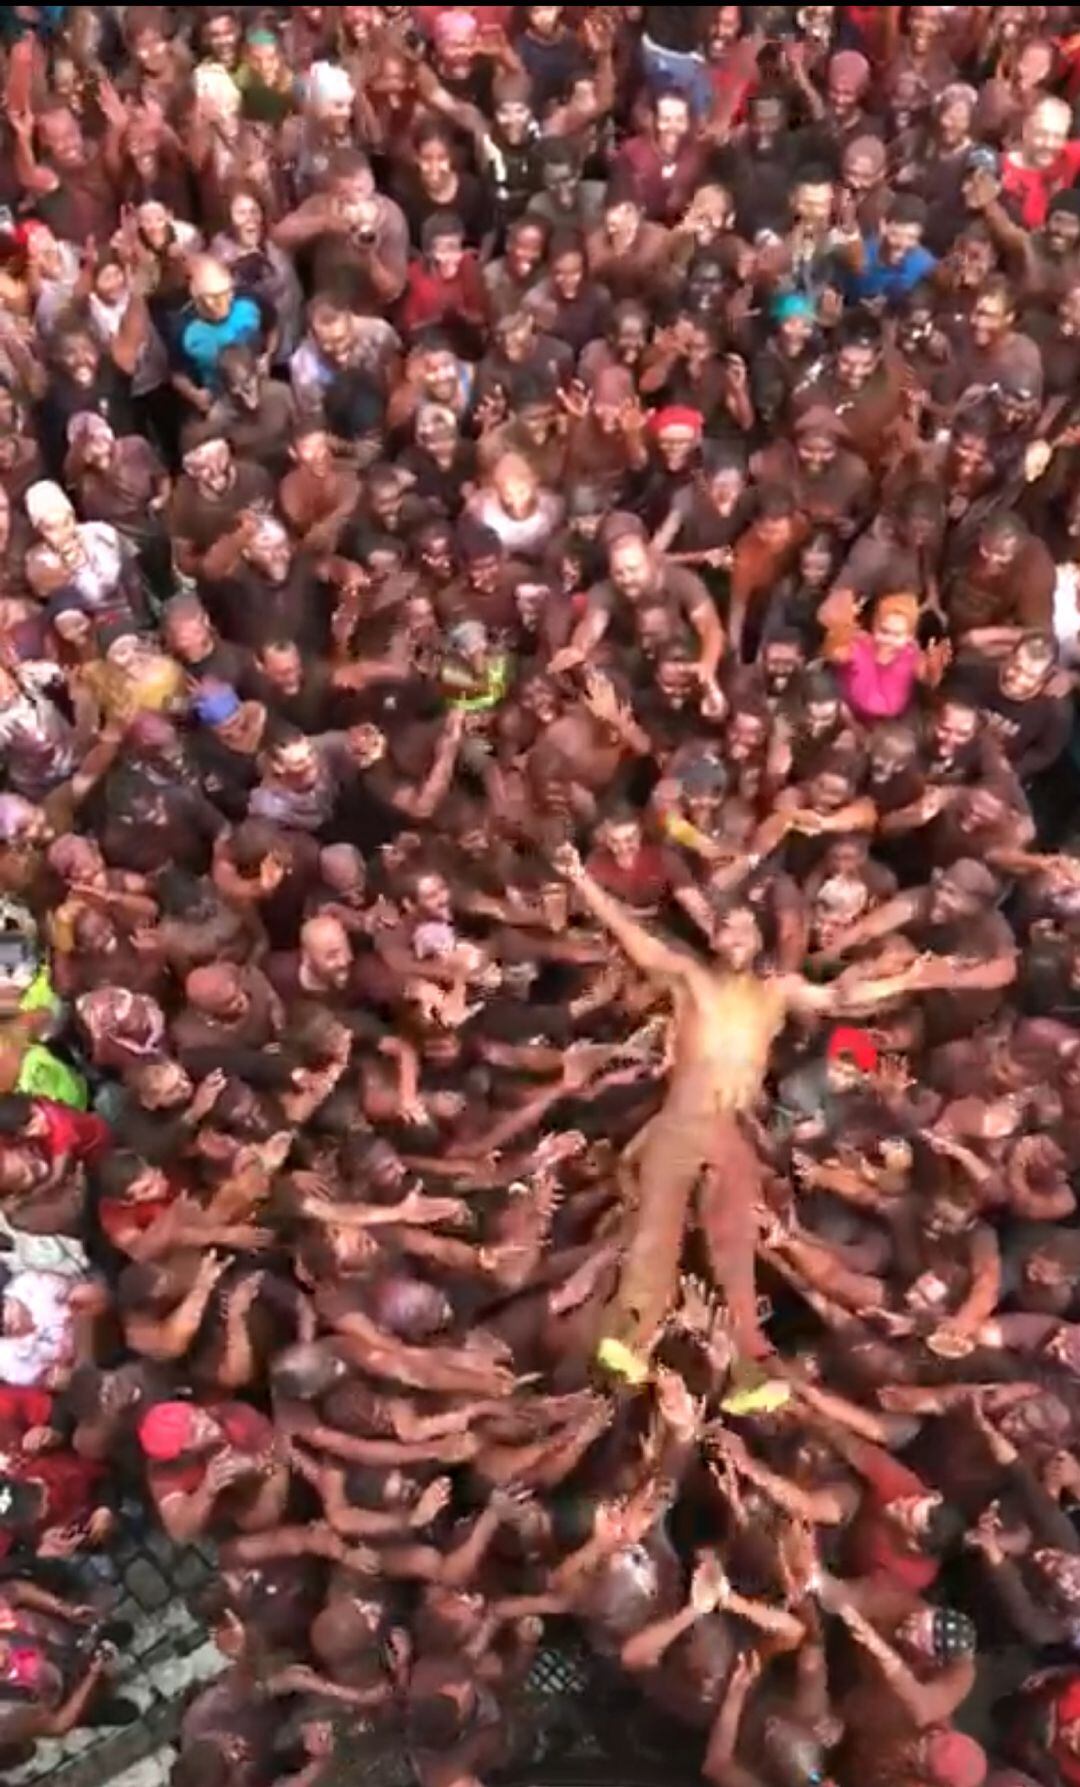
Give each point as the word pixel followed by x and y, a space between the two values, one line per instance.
pixel 984 1291
pixel 775 1621
pixel 645 1650
pixel 238 1366
pixel 645 951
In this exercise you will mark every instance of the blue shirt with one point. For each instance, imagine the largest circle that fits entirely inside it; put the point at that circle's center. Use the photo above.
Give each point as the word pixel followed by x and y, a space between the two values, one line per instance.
pixel 876 280
pixel 202 342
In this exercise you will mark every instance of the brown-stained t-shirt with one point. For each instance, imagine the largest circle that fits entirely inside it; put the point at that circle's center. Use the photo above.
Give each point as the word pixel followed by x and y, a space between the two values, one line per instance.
pixel 1023 596
pixel 635 273
pixel 203 519
pixel 253 1029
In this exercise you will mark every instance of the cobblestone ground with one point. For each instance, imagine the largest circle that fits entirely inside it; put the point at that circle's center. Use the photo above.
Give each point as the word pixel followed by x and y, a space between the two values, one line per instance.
pixel 169 1653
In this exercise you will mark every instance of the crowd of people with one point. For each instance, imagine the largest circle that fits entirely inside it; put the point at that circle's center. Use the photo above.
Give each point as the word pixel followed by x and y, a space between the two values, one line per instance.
pixel 539 898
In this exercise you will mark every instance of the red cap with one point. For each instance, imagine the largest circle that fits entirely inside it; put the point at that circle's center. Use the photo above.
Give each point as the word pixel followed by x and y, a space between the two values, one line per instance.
pixel 167 1431
pixel 677 415
pixel 856 1045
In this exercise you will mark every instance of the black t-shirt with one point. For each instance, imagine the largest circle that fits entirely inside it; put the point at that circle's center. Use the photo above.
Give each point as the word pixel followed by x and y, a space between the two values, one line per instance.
pixel 109 397
pixel 677 28
pixel 471 205
pixel 253 612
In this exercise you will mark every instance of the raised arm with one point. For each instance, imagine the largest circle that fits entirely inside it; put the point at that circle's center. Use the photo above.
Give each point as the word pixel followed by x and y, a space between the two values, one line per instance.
pixel 651 954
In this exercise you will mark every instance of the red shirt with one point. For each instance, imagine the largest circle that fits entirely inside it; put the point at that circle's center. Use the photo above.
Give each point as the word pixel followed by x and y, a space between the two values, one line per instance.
pixel 648 880
pixel 1033 188
pixel 69 1481
pixel 69 1132
pixel 244 1430
pixel 874 1547
pixel 430 299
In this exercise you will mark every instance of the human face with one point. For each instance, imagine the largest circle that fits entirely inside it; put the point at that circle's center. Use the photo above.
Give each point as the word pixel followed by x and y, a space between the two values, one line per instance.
pixel 745 737
pixel 446 255
pixel 855 363
pixel 283 666
pixel 1062 233
pixel 1069 310
pixel 212 467
pixel 433 899
pixel 677 680
pixel 767 120
pixel 725 490
pixel 725 27
pixel 544 20
pixel 924 28
pixel 672 125
pixel 515 335
pixel 795 333
pixel 1045 133
pixel 891 635
pixel 312 452
pixel 525 251
pixel 911 1514
pixel 561 182
pixel 861 173
pixel 296 763
pixel 1023 675
pixel 513 118
pixel 58 527
pixel 821 717
pixel 333 334
pixel 272 557
pixel 677 446
pixel 889 758
pixel 844 94
pixel 737 939
pixel 621 224
pixel 63 140
pixel 222 38
pixel 189 636
pixel 80 358
pixel 949 902
pixel 970 457
pixel 998 551
pixel 828 792
pixel 434 164
pixel 813 204
pixel 631 568
pixel 899 239
pixel 326 949
pixel 623 842
pixel 163 1085
pixel 954 124
pixel 246 216
pixel 266 62
pixel 516 488
pixel 815 453
pixel 954 730
pixel 568 274
pixel 782 662
pixel 631 335
pixel 990 319
pixel 213 294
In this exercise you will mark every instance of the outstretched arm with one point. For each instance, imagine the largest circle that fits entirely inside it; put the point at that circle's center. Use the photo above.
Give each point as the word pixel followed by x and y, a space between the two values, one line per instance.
pixel 651 954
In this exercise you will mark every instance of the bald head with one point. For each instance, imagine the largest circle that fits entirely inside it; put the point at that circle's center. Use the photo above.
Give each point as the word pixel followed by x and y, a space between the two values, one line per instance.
pixel 218 990
pixel 211 286
pixel 326 952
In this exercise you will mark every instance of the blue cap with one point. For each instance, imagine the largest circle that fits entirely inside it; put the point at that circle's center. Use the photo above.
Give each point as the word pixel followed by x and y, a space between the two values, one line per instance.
pixel 215 705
